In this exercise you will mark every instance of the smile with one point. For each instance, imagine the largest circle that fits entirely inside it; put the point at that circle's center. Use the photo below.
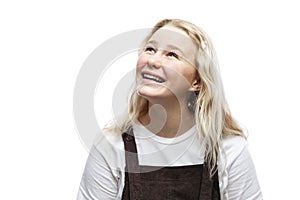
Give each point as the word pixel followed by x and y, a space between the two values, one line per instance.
pixel 153 78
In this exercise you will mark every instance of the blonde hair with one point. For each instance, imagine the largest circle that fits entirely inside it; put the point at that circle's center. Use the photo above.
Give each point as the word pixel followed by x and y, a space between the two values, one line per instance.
pixel 212 115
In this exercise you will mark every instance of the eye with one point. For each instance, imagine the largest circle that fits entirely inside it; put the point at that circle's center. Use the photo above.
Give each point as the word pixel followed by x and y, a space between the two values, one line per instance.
pixel 149 49
pixel 172 54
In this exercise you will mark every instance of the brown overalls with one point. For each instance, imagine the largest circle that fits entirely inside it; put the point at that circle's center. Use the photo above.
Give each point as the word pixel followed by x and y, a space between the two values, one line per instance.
pixel 165 183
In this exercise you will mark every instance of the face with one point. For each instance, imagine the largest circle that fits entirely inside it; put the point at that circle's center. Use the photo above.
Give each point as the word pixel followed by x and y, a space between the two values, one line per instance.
pixel 165 67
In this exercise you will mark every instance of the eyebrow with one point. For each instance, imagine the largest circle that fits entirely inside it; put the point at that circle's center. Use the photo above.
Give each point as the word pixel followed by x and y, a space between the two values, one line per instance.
pixel 154 42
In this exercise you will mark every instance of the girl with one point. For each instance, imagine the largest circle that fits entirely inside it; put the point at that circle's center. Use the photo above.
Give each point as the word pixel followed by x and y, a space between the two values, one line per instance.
pixel 178 139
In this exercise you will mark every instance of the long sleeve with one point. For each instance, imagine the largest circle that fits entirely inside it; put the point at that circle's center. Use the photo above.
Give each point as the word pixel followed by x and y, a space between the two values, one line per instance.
pixel 241 180
pixel 98 180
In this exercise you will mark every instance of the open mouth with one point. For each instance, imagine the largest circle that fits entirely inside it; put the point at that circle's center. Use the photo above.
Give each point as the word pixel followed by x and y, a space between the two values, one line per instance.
pixel 153 78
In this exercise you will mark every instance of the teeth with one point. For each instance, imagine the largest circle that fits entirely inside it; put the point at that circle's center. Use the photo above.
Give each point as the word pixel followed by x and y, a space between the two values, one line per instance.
pixel 154 78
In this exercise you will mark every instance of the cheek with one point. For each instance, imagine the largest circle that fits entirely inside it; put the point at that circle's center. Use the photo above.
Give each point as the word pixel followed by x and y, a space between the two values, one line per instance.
pixel 141 62
pixel 185 74
pixel 190 76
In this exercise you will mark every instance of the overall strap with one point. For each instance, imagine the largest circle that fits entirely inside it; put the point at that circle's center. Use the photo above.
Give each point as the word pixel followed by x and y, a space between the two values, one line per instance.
pixel 209 186
pixel 132 164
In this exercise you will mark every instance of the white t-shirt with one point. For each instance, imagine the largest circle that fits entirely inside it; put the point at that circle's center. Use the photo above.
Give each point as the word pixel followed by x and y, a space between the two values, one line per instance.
pixel 104 174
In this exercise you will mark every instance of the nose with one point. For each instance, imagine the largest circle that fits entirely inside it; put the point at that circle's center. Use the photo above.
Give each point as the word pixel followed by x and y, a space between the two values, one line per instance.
pixel 155 60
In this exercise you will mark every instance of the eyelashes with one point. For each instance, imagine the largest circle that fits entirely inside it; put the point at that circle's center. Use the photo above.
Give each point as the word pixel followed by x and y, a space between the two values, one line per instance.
pixel 149 49
pixel 172 54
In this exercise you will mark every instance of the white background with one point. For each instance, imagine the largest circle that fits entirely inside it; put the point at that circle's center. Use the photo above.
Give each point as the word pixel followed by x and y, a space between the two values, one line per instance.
pixel 43 45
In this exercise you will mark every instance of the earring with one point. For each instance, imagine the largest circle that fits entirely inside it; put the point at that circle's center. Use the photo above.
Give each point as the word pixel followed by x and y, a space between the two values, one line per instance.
pixel 192 101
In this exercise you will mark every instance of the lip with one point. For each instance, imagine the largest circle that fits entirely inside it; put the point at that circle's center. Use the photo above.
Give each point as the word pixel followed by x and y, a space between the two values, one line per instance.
pixel 154 75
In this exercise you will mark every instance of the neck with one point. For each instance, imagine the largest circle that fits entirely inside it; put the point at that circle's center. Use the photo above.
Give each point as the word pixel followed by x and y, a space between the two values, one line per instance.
pixel 168 120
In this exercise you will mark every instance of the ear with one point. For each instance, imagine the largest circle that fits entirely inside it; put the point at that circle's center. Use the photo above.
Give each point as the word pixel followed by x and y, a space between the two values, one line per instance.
pixel 196 85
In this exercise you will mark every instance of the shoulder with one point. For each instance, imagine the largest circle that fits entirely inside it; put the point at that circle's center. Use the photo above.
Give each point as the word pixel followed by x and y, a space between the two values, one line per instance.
pixel 109 139
pixel 233 146
pixel 234 151
pixel 109 145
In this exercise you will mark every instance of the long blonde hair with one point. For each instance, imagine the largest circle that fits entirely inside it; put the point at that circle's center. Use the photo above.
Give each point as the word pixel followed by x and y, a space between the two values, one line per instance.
pixel 212 115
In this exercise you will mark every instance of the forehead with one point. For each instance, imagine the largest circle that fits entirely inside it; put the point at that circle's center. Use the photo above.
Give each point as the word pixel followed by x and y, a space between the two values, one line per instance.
pixel 170 36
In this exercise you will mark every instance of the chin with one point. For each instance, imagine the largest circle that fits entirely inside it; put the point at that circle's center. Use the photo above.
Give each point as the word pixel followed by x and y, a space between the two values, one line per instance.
pixel 147 93
pixel 144 93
